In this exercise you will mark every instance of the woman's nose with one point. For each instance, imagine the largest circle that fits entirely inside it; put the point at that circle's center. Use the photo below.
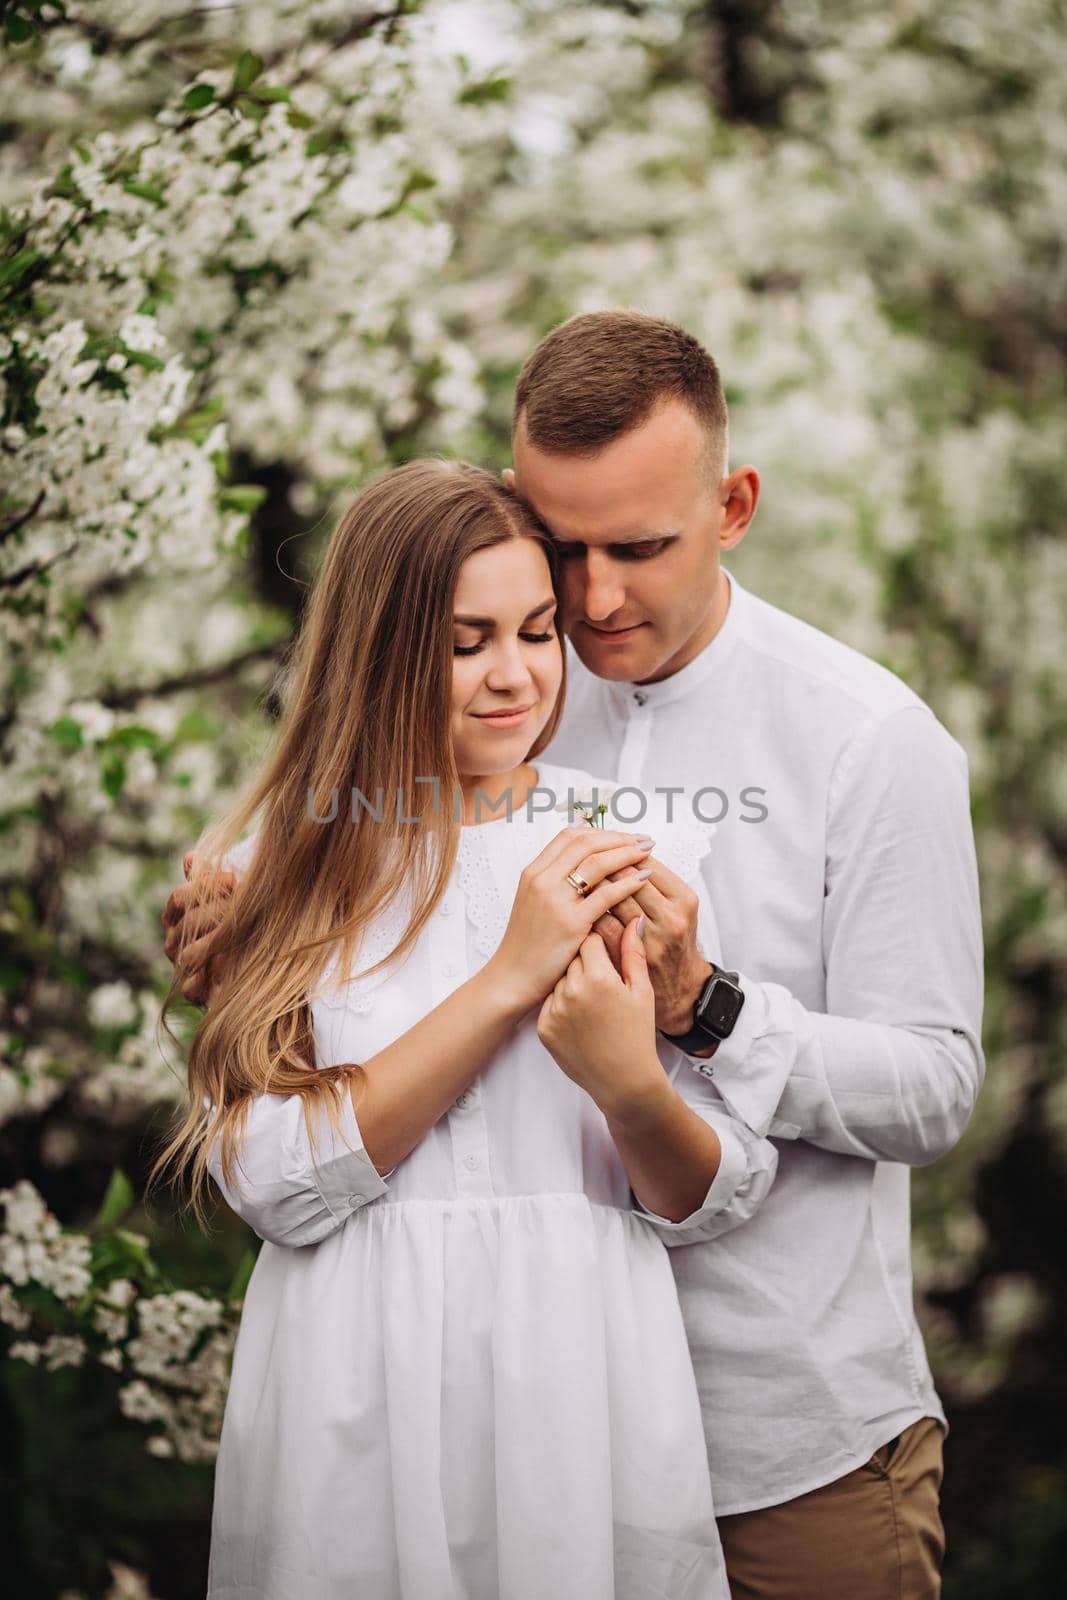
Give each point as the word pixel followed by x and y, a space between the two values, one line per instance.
pixel 508 669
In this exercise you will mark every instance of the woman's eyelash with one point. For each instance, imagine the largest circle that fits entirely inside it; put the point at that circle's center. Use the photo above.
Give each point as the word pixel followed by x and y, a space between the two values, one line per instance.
pixel 473 649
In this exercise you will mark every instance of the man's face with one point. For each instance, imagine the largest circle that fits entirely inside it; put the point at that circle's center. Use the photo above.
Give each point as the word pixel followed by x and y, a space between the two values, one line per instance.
pixel 639 528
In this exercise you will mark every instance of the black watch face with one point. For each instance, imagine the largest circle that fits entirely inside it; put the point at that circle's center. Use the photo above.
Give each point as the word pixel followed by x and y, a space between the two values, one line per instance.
pixel 722 1008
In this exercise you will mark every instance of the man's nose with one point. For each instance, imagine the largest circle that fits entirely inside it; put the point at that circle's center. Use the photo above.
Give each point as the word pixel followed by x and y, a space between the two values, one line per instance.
pixel 604 590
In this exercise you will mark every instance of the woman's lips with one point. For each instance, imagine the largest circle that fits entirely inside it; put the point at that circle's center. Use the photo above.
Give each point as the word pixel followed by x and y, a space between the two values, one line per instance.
pixel 504 719
pixel 613 635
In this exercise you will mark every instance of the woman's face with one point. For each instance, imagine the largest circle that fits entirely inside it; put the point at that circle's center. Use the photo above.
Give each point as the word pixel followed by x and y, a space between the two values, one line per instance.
pixel 507 656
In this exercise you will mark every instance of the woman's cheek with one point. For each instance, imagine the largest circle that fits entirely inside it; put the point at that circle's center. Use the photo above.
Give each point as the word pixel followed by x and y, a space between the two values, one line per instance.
pixel 464 683
pixel 555 672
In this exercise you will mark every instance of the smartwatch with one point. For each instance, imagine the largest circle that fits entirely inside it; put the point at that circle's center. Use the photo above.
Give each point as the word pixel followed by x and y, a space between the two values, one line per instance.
pixel 715 1013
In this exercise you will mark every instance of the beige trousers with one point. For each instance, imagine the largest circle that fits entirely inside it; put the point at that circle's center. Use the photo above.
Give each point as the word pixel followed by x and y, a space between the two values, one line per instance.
pixel 873 1535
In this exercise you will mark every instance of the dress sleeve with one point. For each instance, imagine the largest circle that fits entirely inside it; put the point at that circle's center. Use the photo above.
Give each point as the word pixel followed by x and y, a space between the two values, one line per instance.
pixel 294 1186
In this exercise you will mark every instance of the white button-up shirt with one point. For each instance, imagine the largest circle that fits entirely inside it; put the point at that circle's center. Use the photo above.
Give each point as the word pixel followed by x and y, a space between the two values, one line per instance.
pixel 844 887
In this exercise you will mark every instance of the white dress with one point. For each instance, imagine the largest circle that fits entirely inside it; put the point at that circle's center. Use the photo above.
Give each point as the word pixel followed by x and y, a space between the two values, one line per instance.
pixel 468 1380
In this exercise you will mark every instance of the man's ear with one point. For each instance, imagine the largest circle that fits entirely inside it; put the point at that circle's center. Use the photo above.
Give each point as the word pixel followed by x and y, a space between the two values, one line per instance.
pixel 508 476
pixel 743 487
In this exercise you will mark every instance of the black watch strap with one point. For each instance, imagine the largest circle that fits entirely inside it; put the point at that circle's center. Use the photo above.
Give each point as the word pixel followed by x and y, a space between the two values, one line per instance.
pixel 704 1037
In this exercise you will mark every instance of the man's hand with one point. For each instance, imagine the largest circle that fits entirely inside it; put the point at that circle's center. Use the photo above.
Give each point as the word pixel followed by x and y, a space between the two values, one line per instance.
pixel 676 967
pixel 186 942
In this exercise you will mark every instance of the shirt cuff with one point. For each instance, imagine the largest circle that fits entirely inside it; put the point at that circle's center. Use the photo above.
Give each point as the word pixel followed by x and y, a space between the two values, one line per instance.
pixel 751 1067
pixel 345 1178
pixel 733 1169
pixel 290 1189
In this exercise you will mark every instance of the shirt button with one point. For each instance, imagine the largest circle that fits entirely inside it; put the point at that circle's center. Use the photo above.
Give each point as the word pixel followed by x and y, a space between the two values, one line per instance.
pixel 446 908
pixel 451 969
pixel 471 1163
pixel 464 1100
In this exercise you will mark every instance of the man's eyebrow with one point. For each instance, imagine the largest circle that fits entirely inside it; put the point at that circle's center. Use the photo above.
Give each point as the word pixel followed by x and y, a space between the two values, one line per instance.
pixel 490 622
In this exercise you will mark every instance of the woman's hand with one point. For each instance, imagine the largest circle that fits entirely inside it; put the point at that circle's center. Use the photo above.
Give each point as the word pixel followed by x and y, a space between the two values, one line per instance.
pixel 550 918
pixel 601 1028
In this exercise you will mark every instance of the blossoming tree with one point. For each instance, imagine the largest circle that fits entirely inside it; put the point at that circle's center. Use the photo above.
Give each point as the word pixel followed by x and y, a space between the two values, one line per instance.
pixel 249 253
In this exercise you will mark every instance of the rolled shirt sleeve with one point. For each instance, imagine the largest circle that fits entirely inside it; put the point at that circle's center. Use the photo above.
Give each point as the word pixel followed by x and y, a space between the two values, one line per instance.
pixel 293 1189
pixel 746 1167
pixel 748 1161
pixel 891 1070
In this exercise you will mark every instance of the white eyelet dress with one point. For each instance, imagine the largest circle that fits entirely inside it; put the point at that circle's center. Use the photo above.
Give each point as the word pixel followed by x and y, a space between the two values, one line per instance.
pixel 468 1380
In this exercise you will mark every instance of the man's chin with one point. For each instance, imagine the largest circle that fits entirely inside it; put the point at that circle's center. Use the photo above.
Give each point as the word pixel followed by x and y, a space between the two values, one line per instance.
pixel 627 662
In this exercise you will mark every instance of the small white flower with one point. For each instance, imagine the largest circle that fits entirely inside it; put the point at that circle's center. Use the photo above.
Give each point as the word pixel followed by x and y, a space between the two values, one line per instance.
pixel 112 1005
pixel 591 809
pixel 23 1350
pixel 11 1310
pixel 63 1350
pixel 141 333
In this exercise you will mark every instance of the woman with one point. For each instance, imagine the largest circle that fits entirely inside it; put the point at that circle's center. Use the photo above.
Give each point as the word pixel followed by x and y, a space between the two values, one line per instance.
pixel 469 1378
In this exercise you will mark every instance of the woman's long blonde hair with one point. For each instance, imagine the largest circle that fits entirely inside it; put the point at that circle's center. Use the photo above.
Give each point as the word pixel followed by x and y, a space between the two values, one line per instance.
pixel 368 709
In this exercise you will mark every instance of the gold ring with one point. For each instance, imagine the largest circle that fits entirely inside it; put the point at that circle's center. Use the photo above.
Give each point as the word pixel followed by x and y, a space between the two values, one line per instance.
pixel 576 881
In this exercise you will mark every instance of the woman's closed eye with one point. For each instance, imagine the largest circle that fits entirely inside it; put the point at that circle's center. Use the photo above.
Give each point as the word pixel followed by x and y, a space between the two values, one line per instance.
pixel 530 638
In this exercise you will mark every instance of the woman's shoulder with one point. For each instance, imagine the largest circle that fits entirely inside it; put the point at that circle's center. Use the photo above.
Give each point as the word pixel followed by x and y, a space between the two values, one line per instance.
pixel 238 856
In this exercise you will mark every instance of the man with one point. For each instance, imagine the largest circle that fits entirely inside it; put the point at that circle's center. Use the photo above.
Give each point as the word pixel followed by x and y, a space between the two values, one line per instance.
pixel 842 1014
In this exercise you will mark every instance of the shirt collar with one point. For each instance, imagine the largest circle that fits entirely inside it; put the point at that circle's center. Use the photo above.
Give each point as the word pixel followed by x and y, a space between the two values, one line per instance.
pixel 696 672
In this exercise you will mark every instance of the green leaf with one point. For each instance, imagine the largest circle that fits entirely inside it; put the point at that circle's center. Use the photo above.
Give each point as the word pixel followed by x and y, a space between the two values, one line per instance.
pixel 67 734
pixel 480 94
pixel 145 191
pixel 247 70
pixel 116 1202
pixel 133 736
pixel 18 29
pixel 271 92
pixel 196 425
pixel 18 266
pixel 245 497
pixel 199 96
pixel 142 358
pixel 195 724
pixel 130 1254
pixel 323 141
pixel 239 1283
pixel 300 119
pixel 113 776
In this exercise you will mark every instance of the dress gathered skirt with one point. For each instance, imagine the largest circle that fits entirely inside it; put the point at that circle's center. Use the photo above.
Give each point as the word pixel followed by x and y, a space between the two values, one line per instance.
pixel 467 1379
pixel 466 1398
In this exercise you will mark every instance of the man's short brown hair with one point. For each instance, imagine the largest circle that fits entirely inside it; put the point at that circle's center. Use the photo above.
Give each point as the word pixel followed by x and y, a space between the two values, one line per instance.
pixel 599 375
